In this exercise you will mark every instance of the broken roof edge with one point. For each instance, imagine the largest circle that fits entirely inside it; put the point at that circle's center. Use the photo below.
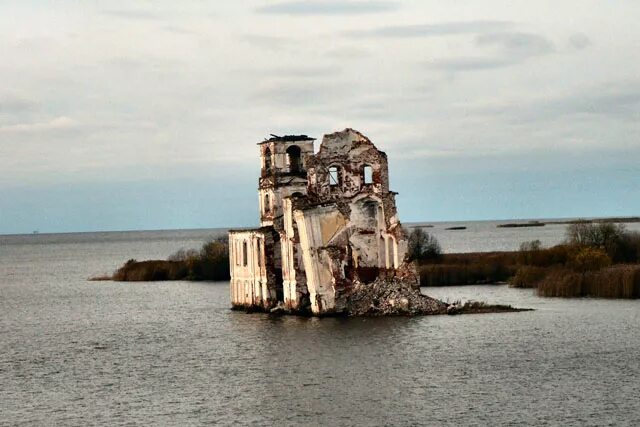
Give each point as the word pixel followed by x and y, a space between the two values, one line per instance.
pixel 330 137
pixel 287 138
pixel 346 130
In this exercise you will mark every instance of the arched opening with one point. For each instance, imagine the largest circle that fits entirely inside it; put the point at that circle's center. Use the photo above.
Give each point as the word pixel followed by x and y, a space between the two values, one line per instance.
pixel 245 254
pixel 382 253
pixel 334 176
pixel 391 252
pixel 367 173
pixel 369 212
pixel 259 252
pixel 369 208
pixel 297 194
pixel 267 203
pixel 267 160
pixel 294 157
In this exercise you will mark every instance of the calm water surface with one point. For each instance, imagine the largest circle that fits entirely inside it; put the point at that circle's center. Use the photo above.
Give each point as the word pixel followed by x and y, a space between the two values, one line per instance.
pixel 74 352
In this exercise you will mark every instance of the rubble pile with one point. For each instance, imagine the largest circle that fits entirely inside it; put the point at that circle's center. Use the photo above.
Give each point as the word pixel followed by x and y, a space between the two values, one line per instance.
pixel 391 297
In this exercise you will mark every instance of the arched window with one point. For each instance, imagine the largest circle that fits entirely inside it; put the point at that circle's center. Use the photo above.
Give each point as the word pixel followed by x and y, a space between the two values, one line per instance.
pixel 267 203
pixel 334 176
pixel 369 208
pixel 367 172
pixel 391 252
pixel 267 160
pixel 295 161
pixel 245 254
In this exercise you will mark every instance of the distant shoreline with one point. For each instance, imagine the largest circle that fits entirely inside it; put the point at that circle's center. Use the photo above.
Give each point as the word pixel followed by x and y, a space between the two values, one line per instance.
pixel 539 223
pixel 608 220
pixel 42 233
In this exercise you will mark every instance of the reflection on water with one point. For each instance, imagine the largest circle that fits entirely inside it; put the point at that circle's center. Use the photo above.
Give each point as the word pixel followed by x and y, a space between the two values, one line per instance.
pixel 75 352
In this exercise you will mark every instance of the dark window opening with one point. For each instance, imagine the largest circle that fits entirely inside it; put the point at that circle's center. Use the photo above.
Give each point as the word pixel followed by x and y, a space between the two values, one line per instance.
pixel 245 254
pixel 368 174
pixel 295 160
pixel 369 209
pixel 267 204
pixel 334 176
pixel 267 160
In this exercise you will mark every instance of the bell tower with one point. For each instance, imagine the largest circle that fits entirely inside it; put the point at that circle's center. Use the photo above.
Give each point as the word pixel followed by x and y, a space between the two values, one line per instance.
pixel 282 174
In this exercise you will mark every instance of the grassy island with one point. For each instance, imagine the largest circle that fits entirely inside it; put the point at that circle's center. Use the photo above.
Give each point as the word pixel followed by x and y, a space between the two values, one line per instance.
pixel 211 262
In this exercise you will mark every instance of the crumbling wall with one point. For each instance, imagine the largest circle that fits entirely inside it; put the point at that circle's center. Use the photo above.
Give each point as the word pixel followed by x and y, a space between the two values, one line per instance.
pixel 349 229
pixel 333 233
pixel 296 293
pixel 253 273
pixel 317 259
pixel 350 152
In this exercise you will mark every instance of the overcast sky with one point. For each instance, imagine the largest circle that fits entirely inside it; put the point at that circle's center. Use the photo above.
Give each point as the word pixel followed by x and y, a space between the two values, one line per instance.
pixel 145 115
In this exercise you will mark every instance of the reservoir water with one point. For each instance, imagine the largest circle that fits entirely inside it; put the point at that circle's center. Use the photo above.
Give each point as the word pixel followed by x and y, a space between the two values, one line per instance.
pixel 74 352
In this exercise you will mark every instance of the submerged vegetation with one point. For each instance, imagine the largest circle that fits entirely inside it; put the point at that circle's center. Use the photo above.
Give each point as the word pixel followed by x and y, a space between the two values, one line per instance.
pixel 211 262
pixel 597 259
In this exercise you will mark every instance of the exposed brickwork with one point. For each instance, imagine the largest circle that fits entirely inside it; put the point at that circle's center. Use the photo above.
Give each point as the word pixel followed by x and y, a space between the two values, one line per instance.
pixel 331 230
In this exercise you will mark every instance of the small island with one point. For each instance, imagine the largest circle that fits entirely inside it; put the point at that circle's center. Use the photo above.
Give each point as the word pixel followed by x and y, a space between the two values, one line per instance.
pixel 522 224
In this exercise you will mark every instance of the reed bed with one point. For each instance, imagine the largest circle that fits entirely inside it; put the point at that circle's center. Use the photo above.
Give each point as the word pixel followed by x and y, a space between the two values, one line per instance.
pixel 618 281
pixel 468 269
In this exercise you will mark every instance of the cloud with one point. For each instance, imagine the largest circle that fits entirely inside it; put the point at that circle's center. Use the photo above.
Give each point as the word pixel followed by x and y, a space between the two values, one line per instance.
pixel 516 45
pixel 579 41
pixel 269 42
pixel 508 49
pixel 291 94
pixel 615 101
pixel 306 94
pixel 433 30
pixel 56 124
pixel 301 72
pixel 348 52
pixel 470 63
pixel 138 15
pixel 179 30
pixel 12 105
pixel 315 7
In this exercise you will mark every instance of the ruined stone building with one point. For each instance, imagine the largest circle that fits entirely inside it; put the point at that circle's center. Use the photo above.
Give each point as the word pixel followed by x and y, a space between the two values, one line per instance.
pixel 328 224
